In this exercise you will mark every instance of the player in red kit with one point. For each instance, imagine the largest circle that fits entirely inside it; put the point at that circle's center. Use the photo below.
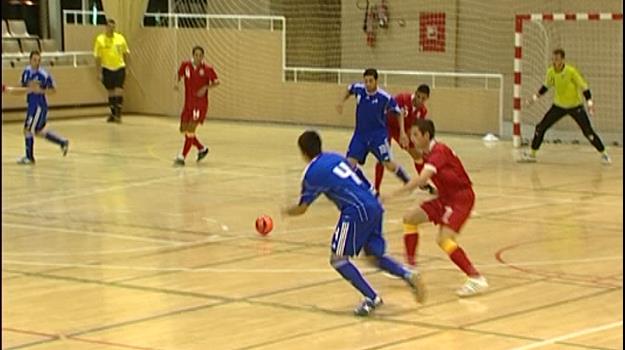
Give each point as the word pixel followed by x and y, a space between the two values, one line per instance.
pixel 452 208
pixel 412 107
pixel 198 78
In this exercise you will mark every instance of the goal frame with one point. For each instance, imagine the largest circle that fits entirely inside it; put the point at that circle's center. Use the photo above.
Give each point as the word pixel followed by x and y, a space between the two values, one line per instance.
pixel 519 21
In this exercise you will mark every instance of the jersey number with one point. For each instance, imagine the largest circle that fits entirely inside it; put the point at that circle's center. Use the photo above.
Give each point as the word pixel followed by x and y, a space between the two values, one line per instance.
pixel 344 171
pixel 196 114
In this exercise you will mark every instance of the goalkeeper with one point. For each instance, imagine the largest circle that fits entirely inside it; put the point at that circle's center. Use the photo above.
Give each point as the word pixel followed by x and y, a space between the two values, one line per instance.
pixel 567 83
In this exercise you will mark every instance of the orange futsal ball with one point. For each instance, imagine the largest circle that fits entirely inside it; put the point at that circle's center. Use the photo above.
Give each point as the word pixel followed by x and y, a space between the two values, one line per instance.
pixel 264 224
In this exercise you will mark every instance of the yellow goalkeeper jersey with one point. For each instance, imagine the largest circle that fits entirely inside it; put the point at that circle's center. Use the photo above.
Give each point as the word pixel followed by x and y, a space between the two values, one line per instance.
pixel 111 50
pixel 568 85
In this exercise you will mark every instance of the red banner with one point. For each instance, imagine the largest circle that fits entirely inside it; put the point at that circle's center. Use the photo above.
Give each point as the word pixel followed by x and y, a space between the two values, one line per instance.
pixel 432 31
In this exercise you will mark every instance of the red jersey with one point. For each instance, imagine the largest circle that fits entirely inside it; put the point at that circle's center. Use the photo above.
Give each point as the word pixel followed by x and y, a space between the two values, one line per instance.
pixel 404 101
pixel 195 77
pixel 449 174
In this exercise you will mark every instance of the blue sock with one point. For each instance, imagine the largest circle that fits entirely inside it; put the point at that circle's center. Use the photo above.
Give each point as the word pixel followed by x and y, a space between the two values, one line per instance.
pixel 391 266
pixel 351 273
pixel 30 145
pixel 50 136
pixel 401 174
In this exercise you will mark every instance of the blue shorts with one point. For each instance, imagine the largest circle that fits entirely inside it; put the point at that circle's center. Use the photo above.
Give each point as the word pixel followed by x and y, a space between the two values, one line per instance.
pixel 375 142
pixel 36 118
pixel 352 234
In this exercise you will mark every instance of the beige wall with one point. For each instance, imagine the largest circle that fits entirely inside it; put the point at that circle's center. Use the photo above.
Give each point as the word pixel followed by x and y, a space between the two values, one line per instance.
pixel 75 86
pixel 252 86
pixel 397 47
pixel 481 39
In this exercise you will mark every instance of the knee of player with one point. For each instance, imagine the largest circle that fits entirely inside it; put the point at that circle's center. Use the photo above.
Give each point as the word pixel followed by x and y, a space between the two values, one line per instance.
pixel 390 165
pixel 372 260
pixel 337 261
pixel 27 133
pixel 446 241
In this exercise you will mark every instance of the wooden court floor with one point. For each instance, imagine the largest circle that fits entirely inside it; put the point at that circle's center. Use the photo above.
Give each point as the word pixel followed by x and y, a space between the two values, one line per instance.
pixel 113 248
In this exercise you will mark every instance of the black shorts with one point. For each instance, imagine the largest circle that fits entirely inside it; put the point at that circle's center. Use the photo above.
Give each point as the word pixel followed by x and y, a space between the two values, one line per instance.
pixel 113 78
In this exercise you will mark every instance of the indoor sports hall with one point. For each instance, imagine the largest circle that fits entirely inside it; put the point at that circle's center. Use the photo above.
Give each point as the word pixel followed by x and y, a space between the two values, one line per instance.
pixel 117 246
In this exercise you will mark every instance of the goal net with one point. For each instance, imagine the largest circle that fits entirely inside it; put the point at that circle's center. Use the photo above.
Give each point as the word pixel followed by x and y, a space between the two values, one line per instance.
pixel 593 43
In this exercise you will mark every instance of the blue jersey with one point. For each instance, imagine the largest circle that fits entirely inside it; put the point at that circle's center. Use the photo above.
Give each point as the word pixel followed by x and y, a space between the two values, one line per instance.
pixel 331 174
pixel 371 108
pixel 44 80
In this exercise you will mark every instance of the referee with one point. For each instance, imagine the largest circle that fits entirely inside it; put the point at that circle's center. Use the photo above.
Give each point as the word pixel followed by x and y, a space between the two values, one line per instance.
pixel 111 52
pixel 567 81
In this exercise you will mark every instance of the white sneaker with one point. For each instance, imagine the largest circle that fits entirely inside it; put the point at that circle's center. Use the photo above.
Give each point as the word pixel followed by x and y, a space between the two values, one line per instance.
pixel 605 159
pixel 473 286
pixel 388 275
pixel 26 161
pixel 527 157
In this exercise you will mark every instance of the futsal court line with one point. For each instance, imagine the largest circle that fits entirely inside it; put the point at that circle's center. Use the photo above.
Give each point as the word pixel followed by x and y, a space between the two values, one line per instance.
pixel 289 270
pixel 132 185
pixel 567 336
pixel 285 306
pixel 93 233
pixel 228 236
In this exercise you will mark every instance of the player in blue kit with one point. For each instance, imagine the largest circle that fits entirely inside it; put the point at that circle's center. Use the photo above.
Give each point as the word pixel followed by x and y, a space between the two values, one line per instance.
pixel 36 83
pixel 370 134
pixel 360 222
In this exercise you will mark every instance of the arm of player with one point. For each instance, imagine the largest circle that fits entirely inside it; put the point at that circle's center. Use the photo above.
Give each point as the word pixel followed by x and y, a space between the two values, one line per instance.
pixel 543 89
pixel 295 209
pixel 416 182
pixel 404 141
pixel 98 60
pixel 344 97
pixel 581 83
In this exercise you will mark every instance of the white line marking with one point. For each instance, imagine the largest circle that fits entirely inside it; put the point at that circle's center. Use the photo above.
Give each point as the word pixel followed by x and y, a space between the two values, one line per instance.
pixel 256 270
pixel 93 233
pixel 171 244
pixel 570 335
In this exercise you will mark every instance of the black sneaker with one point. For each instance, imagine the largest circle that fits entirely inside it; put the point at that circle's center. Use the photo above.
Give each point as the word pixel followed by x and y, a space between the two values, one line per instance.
pixel 178 162
pixel 367 306
pixel 110 119
pixel 65 148
pixel 202 154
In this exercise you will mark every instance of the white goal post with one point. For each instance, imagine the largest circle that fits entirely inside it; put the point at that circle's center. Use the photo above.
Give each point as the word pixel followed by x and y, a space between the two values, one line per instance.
pixel 522 21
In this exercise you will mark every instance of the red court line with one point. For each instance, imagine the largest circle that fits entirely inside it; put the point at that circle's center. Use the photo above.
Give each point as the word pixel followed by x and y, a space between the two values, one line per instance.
pixel 598 280
pixel 86 340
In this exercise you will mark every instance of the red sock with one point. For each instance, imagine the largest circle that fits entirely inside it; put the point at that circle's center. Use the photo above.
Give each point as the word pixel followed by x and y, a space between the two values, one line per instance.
pixel 411 241
pixel 188 142
pixel 197 143
pixel 462 261
pixel 379 173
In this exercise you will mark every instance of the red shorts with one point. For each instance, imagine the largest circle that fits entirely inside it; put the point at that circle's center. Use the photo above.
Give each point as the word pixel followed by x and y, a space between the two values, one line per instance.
pixel 193 114
pixel 393 133
pixel 451 212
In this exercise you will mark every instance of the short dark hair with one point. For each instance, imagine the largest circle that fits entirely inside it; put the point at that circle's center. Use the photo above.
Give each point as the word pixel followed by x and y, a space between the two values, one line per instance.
pixel 110 21
pixel 424 89
pixel 371 72
pixel 425 126
pixel 310 143
pixel 33 53
pixel 198 48
pixel 559 52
